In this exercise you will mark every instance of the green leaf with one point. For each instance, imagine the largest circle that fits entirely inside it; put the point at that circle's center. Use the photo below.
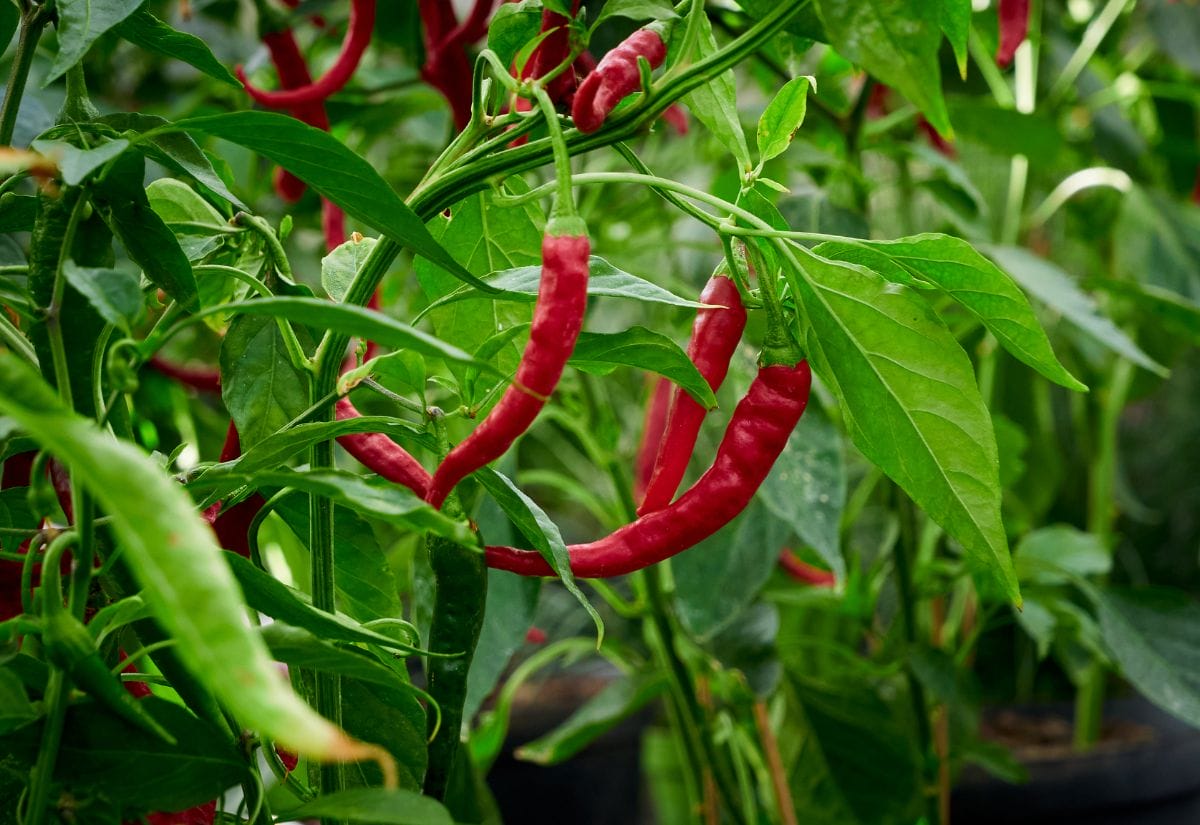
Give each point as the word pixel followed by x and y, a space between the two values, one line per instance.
pixel 273 598
pixel 636 10
pixel 511 603
pixel 77 164
pixel 1055 288
pixel 325 164
pixel 173 554
pixel 512 26
pixel 952 265
pixel 538 529
pixel 16 711
pixel 1008 132
pixel 391 716
pixel 176 202
pixel 297 647
pixel 1152 634
pixel 374 805
pixel 602 352
pixel 807 486
pixel 260 386
pixel 954 16
pixel 897 41
pixel 339 267
pixel 16 514
pixel 600 714
pixel 146 31
pixel 114 294
pixel 80 24
pixel 831 780
pixel 354 321
pixel 782 117
pixel 1060 553
pixel 149 242
pixel 604 280
pixel 716 579
pixel 1156 242
pixel 909 400
pixel 376 498
pixel 715 103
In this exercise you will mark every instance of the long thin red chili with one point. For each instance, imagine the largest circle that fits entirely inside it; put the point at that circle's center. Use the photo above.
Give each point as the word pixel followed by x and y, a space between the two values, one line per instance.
pixel 802 571
pixel 557 320
pixel 653 427
pixel 354 45
pixel 292 69
pixel 715 336
pixel 615 77
pixel 205 379
pixel 381 455
pixel 232 526
pixel 470 29
pixel 1014 26
pixel 757 433
pixel 551 52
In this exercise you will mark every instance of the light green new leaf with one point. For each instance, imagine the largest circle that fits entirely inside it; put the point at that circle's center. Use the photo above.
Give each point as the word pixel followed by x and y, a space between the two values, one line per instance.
pixel 985 291
pixel 339 267
pixel 782 117
pixel 174 556
pixel 909 400
pixel 75 163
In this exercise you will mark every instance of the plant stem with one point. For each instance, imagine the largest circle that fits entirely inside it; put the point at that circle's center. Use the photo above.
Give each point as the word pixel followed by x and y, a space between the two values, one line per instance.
pixel 1092 38
pixel 32 23
pixel 55 699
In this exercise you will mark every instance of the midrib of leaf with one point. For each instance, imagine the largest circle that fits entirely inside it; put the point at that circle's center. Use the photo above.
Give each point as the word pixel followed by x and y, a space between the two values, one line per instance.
pixel 890 394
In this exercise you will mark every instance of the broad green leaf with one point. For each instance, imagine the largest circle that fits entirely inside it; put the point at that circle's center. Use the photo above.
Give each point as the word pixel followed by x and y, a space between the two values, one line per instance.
pixel 1056 289
pixel 365 587
pixel 600 714
pixel 260 386
pixel 339 267
pixel 602 352
pixel 896 41
pixel 1006 131
pixel 147 32
pixel 391 716
pixel 351 320
pixel 113 293
pixel 176 202
pixel 75 163
pixel 512 26
pixel 783 117
pixel 604 280
pixel 371 497
pixel 16 711
pixel 1059 553
pixel 373 805
pixel 716 579
pixel 807 486
pixel 748 644
pixel 909 400
pixel 537 528
pixel 271 597
pixel 80 24
pixel 147 240
pixel 954 16
pixel 1153 635
pixel 325 164
pixel 636 10
pixel 831 781
pixel 174 555
pixel 407 369
pixel 951 264
pixel 715 103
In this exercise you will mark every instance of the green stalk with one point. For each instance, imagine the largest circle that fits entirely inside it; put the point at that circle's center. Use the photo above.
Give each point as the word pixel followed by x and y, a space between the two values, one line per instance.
pixel 1096 31
pixel 32 23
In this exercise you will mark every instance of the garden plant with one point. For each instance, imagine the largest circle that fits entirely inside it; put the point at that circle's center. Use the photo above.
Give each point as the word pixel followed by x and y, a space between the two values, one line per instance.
pixel 783 381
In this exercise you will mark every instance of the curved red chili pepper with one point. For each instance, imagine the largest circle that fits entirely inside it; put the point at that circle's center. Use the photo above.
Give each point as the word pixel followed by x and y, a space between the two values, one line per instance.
pixel 653 428
pixel 205 379
pixel 1014 26
pixel 354 45
pixel 757 433
pixel 715 336
pixel 551 52
pixel 381 455
pixel 232 526
pixel 615 77
pixel 802 571
pixel 293 72
pixel 557 320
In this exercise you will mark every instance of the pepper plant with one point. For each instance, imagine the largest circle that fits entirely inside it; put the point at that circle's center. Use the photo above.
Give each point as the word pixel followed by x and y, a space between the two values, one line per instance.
pixel 316 374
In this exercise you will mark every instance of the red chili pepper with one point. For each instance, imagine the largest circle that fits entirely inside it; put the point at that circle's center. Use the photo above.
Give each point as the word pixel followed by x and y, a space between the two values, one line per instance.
pixel 205 379
pixel 615 77
pixel 1196 188
pixel 938 142
pixel 471 29
pixel 354 45
pixel 676 117
pixel 1014 26
pixel 802 571
pixel 551 52
pixel 715 337
pixel 757 433
pixel 293 72
pixel 200 815
pixel 653 427
pixel 381 455
pixel 447 67
pixel 232 526
pixel 557 319
pixel 17 469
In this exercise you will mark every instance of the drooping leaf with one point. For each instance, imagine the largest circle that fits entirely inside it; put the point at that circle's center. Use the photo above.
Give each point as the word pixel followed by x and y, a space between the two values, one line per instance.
pixel 643 349
pixel 260 386
pixel 146 31
pixel 77 164
pixel 954 16
pixel 1055 554
pixel 80 24
pixel 715 103
pixel 374 805
pixel 113 293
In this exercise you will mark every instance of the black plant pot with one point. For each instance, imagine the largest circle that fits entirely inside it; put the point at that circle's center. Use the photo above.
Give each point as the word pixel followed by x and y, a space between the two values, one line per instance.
pixel 601 785
pixel 1151 776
